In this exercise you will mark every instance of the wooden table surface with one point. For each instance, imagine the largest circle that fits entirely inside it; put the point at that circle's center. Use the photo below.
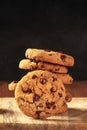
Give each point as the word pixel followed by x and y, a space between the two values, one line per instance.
pixel 11 118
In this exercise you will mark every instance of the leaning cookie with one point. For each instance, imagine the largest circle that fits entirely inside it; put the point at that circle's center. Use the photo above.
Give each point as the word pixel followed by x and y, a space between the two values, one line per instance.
pixel 49 56
pixel 39 94
pixel 28 64
pixel 12 85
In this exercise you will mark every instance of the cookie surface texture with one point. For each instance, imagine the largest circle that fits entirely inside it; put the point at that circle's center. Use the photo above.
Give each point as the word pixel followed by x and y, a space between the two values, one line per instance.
pixel 40 94
pixel 49 56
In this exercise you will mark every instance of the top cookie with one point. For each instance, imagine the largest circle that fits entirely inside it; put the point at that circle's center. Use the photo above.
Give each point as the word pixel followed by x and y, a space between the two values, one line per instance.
pixel 49 56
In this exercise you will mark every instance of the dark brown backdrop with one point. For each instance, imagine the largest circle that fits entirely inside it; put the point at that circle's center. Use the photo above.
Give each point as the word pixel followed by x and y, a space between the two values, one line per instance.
pixel 55 25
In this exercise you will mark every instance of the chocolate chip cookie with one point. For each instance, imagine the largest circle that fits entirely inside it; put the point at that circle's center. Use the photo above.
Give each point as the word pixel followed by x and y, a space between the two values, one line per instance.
pixel 49 56
pixel 28 64
pixel 40 94
pixel 66 78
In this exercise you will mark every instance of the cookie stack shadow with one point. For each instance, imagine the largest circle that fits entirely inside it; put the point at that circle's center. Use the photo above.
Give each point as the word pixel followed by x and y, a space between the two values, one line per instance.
pixel 41 93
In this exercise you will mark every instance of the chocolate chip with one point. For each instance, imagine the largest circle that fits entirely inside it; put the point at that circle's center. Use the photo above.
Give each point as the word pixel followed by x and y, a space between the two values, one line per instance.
pixel 42 66
pixel 26 90
pixel 62 89
pixel 47 113
pixel 29 90
pixel 49 104
pixel 53 89
pixel 43 80
pixel 34 76
pixel 36 97
pixel 52 103
pixel 42 74
pixel 60 95
pixel 31 60
pixel 54 78
pixel 63 57
pixel 38 114
pixel 50 70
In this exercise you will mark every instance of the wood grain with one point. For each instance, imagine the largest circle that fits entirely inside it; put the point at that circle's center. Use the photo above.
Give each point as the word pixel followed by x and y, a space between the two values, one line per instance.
pixel 11 118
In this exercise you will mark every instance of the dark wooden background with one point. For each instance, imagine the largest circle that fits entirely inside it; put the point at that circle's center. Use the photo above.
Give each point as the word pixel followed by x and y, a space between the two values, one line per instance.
pixel 52 24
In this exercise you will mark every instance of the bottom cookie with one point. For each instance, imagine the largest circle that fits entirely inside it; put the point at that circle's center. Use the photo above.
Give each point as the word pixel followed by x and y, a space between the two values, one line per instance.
pixel 40 94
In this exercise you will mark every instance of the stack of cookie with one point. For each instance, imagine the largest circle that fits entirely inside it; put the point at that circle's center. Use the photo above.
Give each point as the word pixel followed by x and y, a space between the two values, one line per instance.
pixel 41 92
